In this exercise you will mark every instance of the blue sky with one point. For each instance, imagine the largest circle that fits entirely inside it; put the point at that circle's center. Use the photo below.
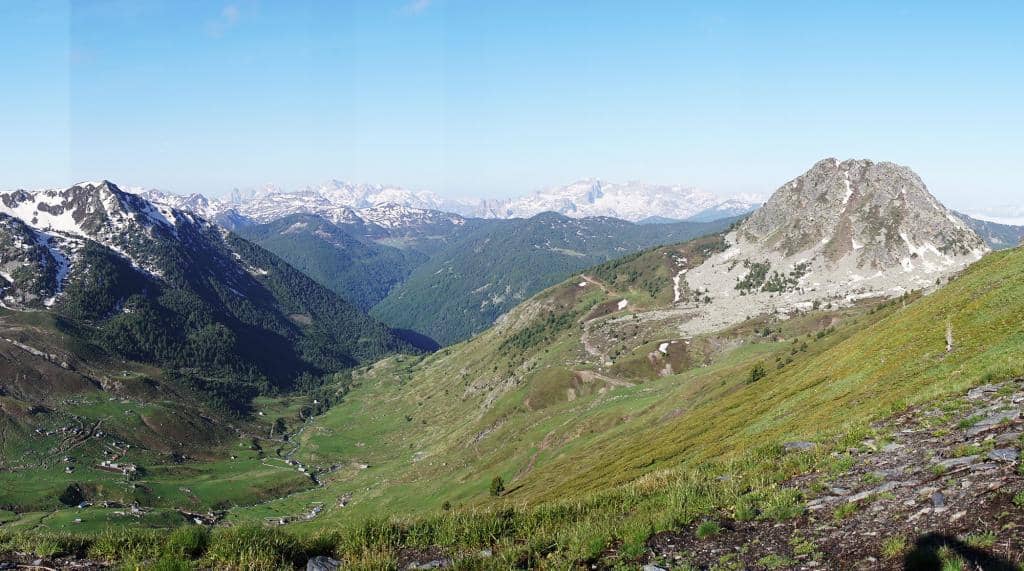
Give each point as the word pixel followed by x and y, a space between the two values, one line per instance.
pixel 480 98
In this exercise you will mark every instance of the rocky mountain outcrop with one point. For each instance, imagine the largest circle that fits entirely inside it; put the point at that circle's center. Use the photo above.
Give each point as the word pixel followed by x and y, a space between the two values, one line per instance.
pixel 841 231
pixel 879 213
pixel 44 232
pixel 158 284
pixel 221 213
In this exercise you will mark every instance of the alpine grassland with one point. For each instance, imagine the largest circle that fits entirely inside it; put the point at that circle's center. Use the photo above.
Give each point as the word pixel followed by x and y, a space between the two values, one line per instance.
pixel 594 462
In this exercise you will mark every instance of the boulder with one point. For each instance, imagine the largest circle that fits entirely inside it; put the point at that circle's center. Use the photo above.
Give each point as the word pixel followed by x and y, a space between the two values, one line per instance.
pixel 954 462
pixel 432 564
pixel 1012 436
pixel 993 420
pixel 323 563
pixel 1004 455
pixel 981 392
pixel 798 446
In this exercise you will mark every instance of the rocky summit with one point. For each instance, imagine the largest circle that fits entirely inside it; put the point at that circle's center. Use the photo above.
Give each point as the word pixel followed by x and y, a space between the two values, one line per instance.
pixel 880 214
pixel 842 231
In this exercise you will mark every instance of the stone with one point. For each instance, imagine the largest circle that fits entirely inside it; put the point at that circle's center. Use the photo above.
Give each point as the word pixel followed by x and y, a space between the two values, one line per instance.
pixel 954 462
pixel 653 568
pixel 992 420
pixel 798 446
pixel 1012 436
pixel 820 503
pixel 433 564
pixel 886 487
pixel 1004 455
pixel 323 563
pixel 938 500
pixel 980 392
pixel 486 553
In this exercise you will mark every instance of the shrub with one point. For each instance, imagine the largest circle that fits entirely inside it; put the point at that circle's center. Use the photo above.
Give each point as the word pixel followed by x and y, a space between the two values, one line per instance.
pixel 708 529
pixel 745 509
pixel 251 547
pixel 844 511
pixel 894 546
pixel 786 504
pixel 50 544
pixel 497 486
pixel 772 562
pixel 757 373
pixel 981 540
pixel 189 541
pixel 72 495
pixel 121 543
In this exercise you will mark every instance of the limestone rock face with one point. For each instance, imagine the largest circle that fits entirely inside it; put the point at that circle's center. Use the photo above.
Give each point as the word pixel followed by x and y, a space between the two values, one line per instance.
pixel 842 231
pixel 879 213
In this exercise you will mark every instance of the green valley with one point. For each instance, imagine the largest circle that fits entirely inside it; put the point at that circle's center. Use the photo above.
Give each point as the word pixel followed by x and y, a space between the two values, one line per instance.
pixel 597 456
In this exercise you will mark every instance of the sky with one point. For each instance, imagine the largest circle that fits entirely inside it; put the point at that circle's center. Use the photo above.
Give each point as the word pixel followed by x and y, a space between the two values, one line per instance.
pixel 476 98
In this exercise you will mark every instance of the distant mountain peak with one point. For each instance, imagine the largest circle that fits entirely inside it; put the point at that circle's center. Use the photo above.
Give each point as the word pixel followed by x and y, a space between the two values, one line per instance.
pixel 341 201
pixel 633 201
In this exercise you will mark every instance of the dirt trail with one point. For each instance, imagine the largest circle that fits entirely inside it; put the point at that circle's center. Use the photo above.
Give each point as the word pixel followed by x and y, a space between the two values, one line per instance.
pixel 591 376
pixel 585 340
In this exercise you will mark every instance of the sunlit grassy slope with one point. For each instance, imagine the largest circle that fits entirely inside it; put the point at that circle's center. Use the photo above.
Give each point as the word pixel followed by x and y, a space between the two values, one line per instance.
pixel 594 464
pixel 58 423
pixel 437 430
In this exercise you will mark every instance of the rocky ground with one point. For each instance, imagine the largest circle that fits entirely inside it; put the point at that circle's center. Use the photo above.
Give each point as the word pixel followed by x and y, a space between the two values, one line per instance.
pixel 940 490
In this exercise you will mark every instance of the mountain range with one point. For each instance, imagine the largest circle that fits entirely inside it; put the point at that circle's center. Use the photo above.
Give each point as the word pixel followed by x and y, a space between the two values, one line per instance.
pixel 825 382
pixel 155 284
pixel 339 200
pixel 614 411
pixel 484 273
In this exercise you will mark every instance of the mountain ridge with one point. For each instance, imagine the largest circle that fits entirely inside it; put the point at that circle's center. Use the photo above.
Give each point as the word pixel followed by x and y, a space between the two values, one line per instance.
pixel 161 285
pixel 340 200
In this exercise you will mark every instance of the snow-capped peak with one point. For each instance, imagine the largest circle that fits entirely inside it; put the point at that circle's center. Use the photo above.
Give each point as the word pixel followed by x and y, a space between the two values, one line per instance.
pixel 633 201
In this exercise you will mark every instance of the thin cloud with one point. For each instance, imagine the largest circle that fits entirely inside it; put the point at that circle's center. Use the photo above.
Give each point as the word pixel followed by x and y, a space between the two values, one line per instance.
pixel 228 18
pixel 416 7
